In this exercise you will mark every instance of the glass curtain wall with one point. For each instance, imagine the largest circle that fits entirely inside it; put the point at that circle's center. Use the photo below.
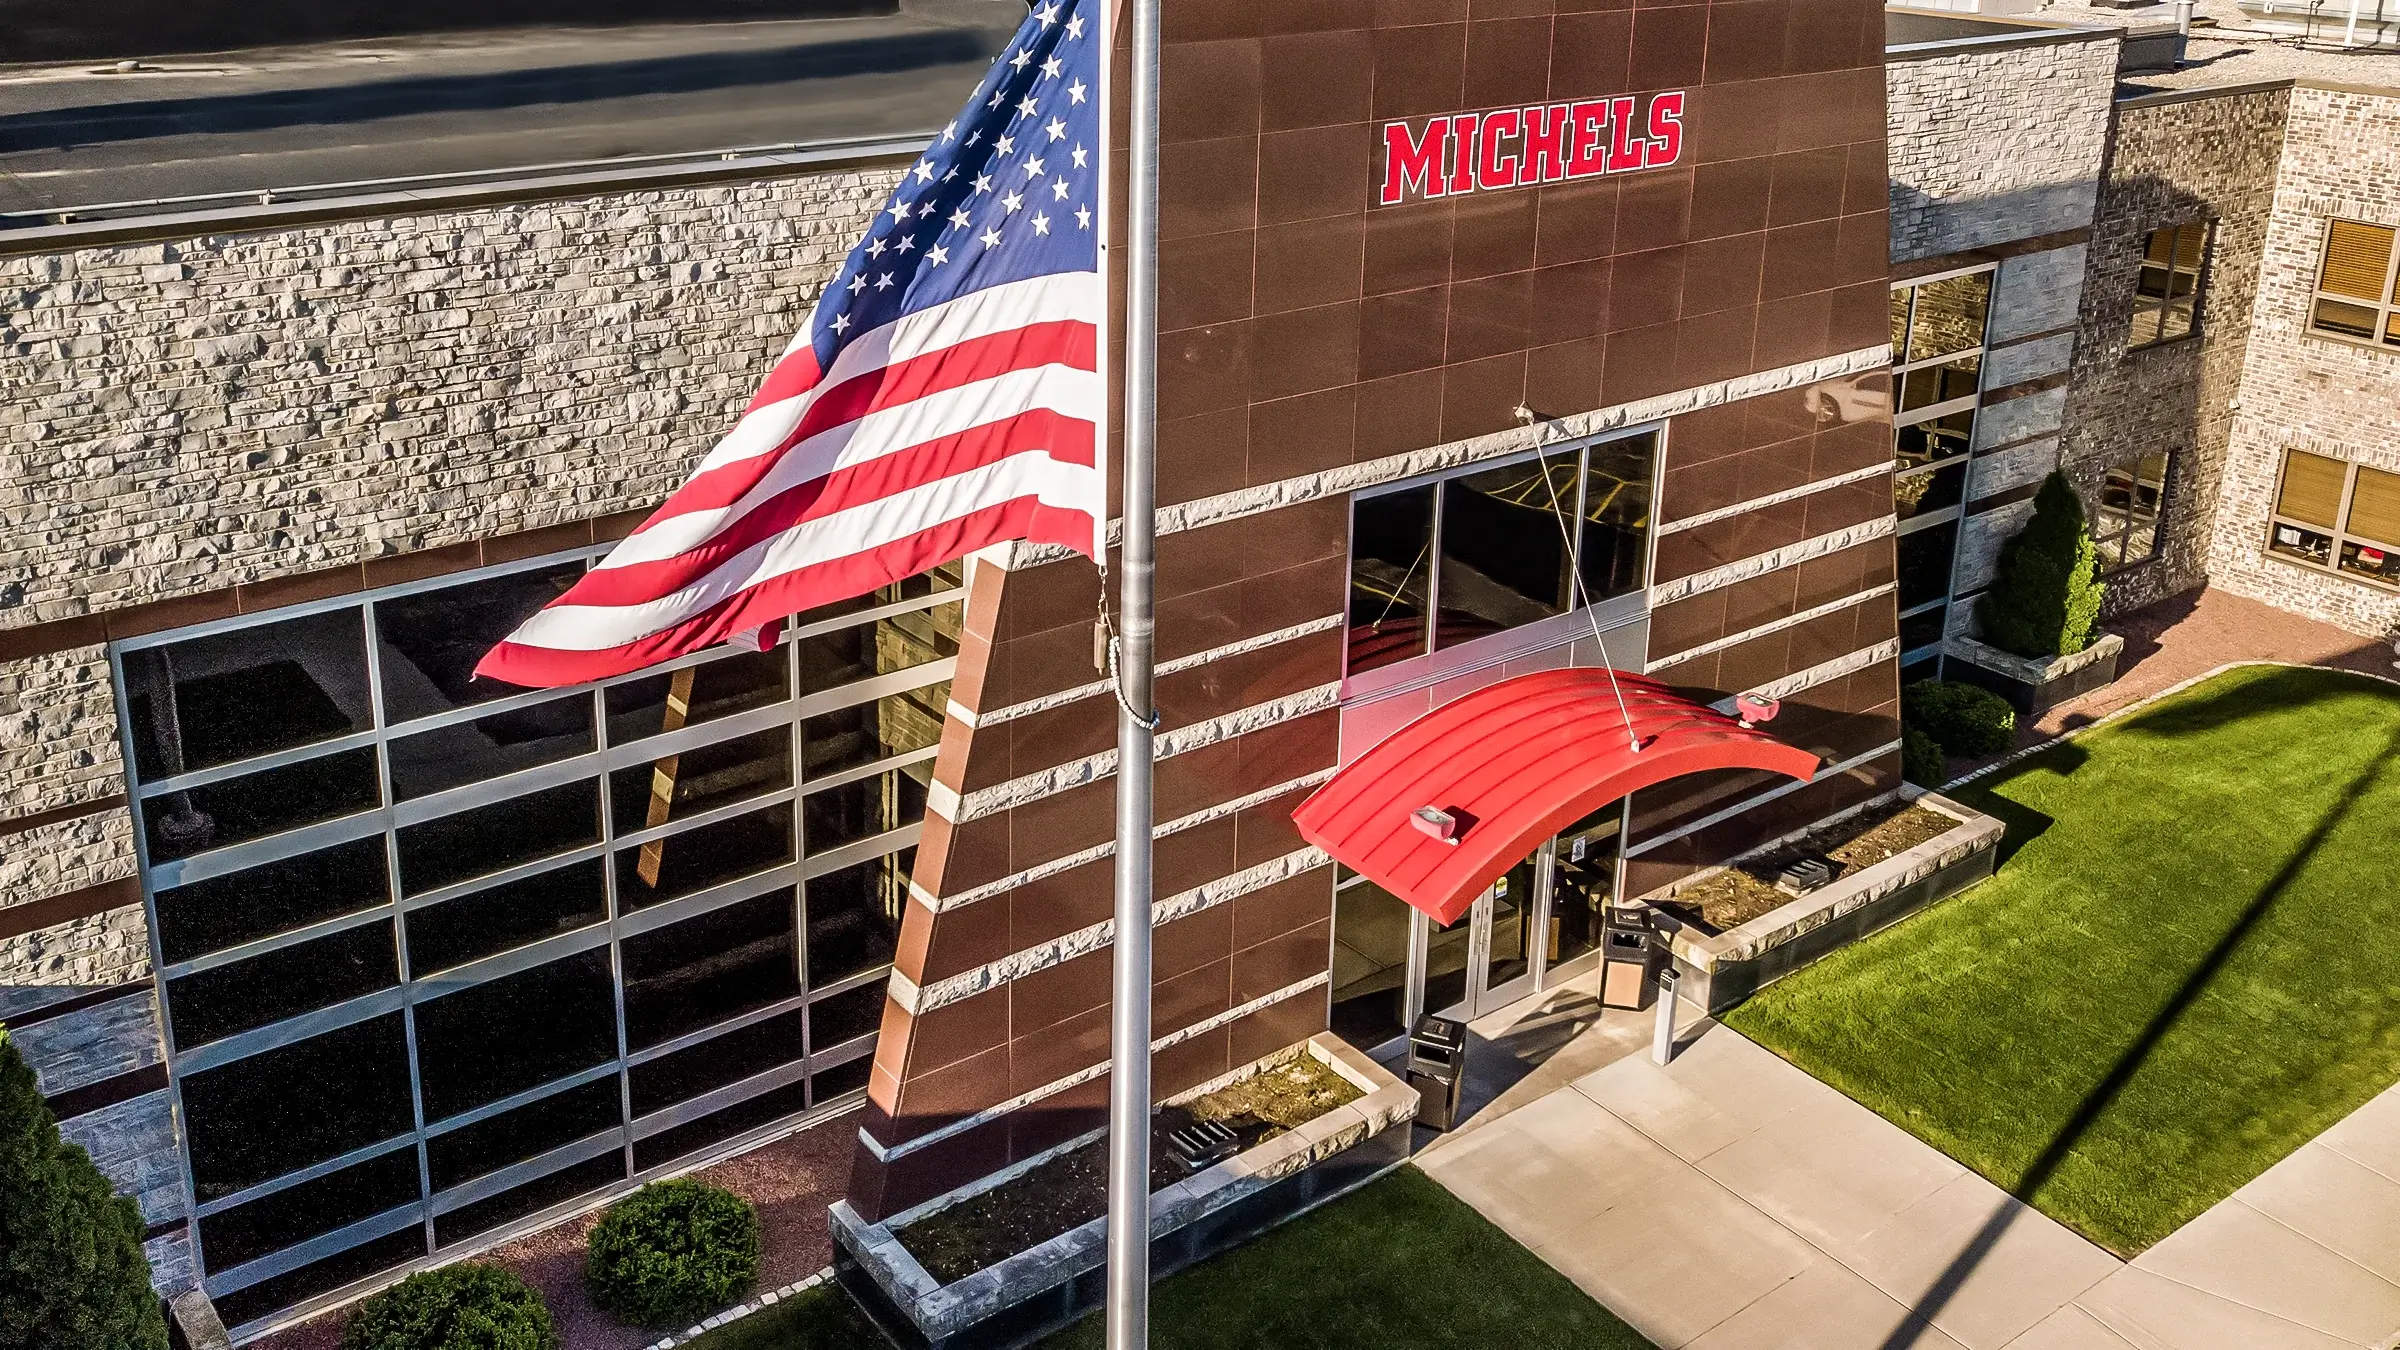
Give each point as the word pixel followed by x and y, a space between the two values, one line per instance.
pixel 1937 370
pixel 438 954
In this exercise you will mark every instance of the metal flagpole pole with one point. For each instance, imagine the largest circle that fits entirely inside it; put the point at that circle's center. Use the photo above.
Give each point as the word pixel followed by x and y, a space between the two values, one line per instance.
pixel 1128 1308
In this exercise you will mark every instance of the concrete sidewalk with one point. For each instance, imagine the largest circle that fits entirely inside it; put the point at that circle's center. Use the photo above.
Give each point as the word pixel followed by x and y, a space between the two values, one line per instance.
pixel 1731 1202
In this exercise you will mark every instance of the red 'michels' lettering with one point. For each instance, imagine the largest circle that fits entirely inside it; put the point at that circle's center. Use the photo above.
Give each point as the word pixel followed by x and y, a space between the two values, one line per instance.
pixel 1413 161
pixel 1587 155
pixel 1625 149
pixel 1666 129
pixel 1462 153
pixel 1549 132
pixel 1492 168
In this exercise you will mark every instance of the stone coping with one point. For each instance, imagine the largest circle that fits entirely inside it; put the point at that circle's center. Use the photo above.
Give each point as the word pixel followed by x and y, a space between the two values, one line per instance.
pixel 2028 670
pixel 1770 930
pixel 945 1310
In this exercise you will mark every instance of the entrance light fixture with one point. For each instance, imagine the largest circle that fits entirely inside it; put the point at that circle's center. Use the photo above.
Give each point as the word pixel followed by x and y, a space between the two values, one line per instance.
pixel 1436 822
pixel 1756 708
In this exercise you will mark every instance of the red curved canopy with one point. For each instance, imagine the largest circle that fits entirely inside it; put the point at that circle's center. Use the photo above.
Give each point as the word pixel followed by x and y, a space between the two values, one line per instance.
pixel 1514 763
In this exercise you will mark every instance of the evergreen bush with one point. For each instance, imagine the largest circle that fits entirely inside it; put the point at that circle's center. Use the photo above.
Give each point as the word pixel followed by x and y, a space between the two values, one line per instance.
pixel 1921 759
pixel 672 1253
pixel 1962 719
pixel 72 1273
pixel 469 1306
pixel 2044 600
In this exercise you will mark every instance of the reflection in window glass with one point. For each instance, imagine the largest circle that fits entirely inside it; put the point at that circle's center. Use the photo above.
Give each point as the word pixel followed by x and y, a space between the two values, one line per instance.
pixel 864 733
pixel 1924 630
pixel 487 839
pixel 1936 439
pixel 1933 490
pixel 1924 563
pixel 2166 297
pixel 181 824
pixel 842 1079
pixel 697 694
pixel 713 1063
pixel 863 809
pixel 1615 546
pixel 844 1017
pixel 514 1033
pixel 695 860
pixel 531 1130
pixel 1503 546
pixel 1949 316
pixel 297 1213
pixel 854 916
pixel 524 911
pixel 255 1301
pixel 258 902
pixel 554 1188
pixel 1370 963
pixel 2294 541
pixel 224 1000
pixel 295 1105
pixel 699 780
pixel 720 1126
pixel 886 646
pixel 1391 576
pixel 1928 385
pixel 2127 513
pixel 431 640
pixel 469 752
pixel 214 700
pixel 705 970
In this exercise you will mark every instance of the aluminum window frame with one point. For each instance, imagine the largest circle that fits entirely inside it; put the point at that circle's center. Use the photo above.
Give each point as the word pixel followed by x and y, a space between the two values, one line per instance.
pixel 2105 530
pixel 2194 306
pixel 1360 684
pixel 1973 403
pixel 2339 533
pixel 413 989
pixel 2387 307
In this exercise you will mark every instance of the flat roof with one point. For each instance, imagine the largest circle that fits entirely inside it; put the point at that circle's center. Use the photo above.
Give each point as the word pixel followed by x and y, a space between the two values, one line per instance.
pixel 247 122
pixel 2232 44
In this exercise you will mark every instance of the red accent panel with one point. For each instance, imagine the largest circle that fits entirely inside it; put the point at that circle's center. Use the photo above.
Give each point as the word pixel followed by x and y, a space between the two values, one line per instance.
pixel 1517 762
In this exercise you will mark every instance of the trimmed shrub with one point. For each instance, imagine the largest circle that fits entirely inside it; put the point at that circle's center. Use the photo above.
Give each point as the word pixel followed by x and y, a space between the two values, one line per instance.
pixel 72 1273
pixel 469 1306
pixel 1962 719
pixel 2044 601
pixel 672 1253
pixel 1921 759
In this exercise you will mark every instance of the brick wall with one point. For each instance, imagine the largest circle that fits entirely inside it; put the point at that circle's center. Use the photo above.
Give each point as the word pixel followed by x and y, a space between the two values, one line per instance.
pixel 2341 157
pixel 2173 160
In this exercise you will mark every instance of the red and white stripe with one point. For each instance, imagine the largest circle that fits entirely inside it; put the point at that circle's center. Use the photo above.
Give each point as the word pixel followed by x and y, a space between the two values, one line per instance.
pixel 955 427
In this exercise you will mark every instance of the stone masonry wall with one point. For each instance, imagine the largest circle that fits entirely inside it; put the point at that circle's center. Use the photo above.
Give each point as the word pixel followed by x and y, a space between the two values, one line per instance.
pixel 2299 391
pixel 238 408
pixel 1995 143
pixel 2173 160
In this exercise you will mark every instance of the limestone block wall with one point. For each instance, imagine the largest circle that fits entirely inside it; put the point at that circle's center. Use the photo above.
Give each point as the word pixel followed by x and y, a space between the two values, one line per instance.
pixel 2174 159
pixel 2340 158
pixel 231 420
pixel 1995 140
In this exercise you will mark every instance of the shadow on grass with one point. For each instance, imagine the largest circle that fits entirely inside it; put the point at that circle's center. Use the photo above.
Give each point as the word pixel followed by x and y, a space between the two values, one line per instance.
pixel 2113 1084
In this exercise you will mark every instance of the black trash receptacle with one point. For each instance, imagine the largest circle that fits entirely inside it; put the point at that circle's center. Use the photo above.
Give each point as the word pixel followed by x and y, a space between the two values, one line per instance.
pixel 1437 1067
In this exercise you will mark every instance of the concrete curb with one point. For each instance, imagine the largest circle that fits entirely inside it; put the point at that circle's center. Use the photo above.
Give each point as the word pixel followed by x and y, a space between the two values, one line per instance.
pixel 742 1310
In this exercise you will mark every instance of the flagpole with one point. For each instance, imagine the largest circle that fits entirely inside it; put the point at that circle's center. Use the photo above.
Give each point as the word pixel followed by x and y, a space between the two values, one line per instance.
pixel 1128 1307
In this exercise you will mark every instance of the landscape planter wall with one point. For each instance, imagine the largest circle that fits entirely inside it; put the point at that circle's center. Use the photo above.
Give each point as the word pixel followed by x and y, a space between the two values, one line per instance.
pixel 1029 1295
pixel 1716 972
pixel 2035 687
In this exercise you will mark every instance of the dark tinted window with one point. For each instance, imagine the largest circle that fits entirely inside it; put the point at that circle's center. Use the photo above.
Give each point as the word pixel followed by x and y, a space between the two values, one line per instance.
pixel 431 640
pixel 677 787
pixel 555 1188
pixel 1615 548
pixel 854 916
pixel 488 839
pixel 849 737
pixel 475 926
pixel 214 700
pixel 901 642
pixel 715 1062
pixel 845 1016
pixel 695 860
pixel 706 969
pixel 469 752
pixel 865 808
pixel 511 1137
pixel 1924 558
pixel 1391 576
pixel 181 824
pixel 514 1033
pixel 296 1105
pixel 697 694
pixel 1504 537
pixel 223 1000
pixel 296 1213
pixel 259 902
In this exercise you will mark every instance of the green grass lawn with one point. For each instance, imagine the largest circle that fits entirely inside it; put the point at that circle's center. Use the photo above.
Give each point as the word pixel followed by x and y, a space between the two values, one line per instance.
pixel 2187 966
pixel 1401 1262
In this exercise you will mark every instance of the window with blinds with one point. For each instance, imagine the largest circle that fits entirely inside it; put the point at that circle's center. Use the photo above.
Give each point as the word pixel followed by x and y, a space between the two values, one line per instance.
pixel 2337 515
pixel 2354 283
pixel 2166 299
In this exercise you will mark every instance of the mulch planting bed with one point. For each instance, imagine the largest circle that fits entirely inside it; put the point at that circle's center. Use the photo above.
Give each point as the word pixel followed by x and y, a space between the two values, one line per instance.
pixel 1072 1189
pixel 1747 890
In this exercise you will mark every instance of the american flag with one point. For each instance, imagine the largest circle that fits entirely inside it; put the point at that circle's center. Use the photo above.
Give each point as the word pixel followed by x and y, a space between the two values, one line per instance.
pixel 945 395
